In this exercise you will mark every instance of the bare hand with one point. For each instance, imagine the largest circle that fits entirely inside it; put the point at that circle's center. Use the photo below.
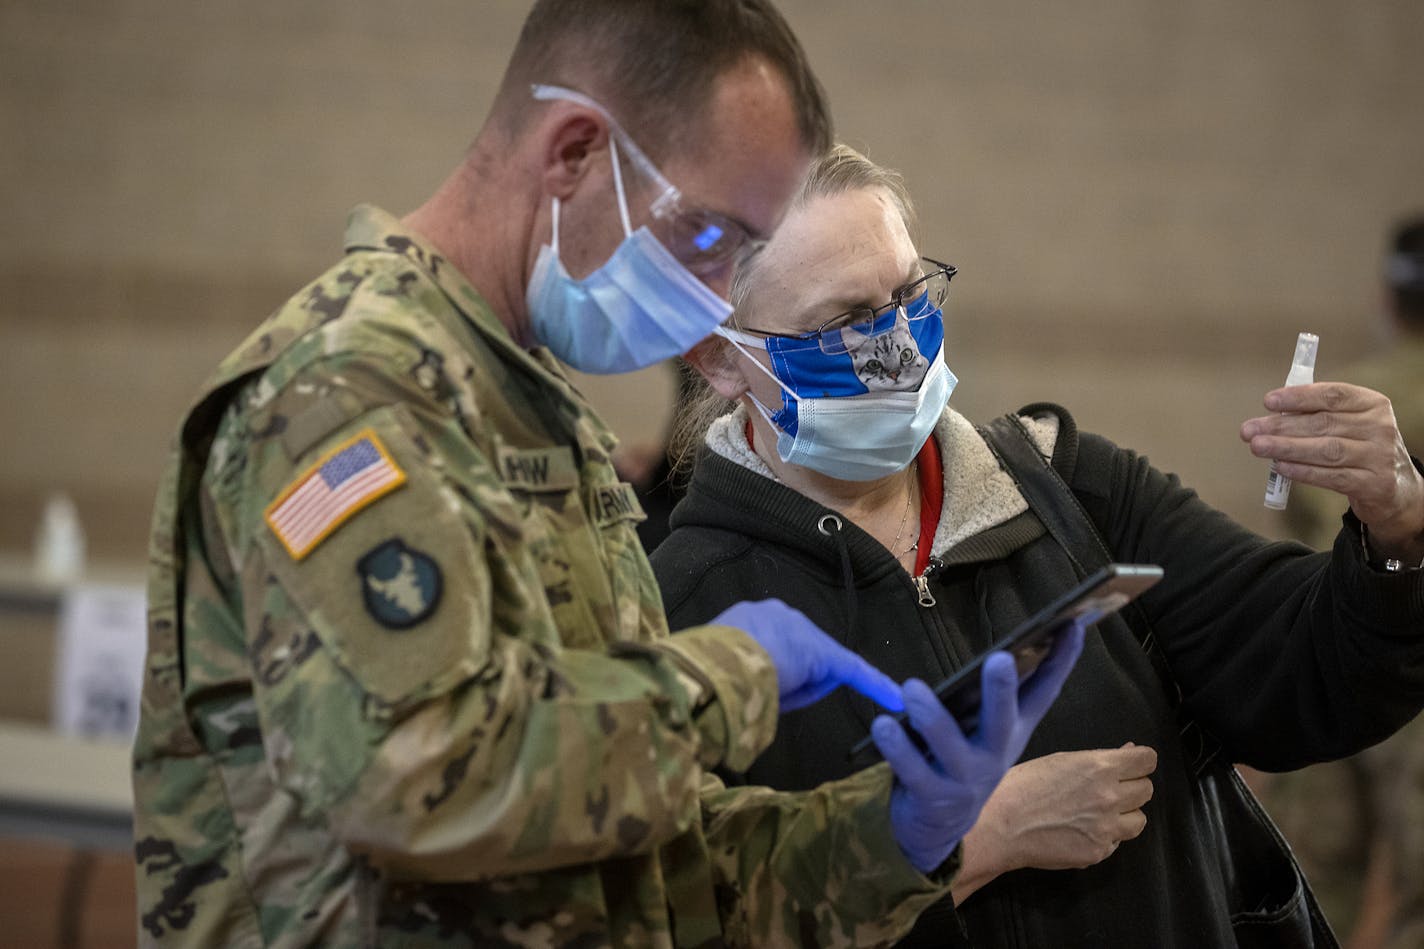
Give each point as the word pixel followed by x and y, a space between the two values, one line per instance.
pixel 1345 438
pixel 1066 810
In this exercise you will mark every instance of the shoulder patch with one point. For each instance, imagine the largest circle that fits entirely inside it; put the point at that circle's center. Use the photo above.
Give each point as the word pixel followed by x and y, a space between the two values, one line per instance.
pixel 400 585
pixel 346 479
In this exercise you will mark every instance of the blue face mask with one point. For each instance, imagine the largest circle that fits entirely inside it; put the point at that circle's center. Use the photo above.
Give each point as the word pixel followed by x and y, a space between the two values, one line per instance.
pixel 863 406
pixel 641 307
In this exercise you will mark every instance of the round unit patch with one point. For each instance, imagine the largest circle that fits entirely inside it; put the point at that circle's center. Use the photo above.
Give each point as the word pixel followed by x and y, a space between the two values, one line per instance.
pixel 400 585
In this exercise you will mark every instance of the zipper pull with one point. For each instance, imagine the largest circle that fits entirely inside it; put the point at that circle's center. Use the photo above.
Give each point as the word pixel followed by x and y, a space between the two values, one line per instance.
pixel 926 597
pixel 922 582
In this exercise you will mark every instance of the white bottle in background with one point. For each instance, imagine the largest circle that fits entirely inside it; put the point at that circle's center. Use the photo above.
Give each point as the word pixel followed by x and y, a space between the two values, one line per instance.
pixel 59 542
pixel 1302 372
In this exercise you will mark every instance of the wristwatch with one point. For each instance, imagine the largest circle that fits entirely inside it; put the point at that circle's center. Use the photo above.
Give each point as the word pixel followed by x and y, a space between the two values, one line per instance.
pixel 1391 564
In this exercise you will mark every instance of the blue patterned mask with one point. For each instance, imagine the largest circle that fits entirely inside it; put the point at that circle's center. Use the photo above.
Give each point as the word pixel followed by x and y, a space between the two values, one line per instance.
pixel 856 406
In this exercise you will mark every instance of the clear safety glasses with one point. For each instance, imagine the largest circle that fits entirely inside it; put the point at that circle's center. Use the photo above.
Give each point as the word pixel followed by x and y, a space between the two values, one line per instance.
pixel 701 240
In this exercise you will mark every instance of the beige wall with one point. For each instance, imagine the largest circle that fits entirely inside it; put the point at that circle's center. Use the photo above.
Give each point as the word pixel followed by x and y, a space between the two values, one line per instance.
pixel 1147 200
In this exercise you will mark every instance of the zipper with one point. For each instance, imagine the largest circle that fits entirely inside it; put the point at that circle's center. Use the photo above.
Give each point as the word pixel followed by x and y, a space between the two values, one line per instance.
pixel 922 582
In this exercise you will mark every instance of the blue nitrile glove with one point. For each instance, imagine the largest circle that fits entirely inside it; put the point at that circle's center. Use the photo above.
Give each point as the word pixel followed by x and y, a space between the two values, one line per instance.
pixel 809 664
pixel 937 796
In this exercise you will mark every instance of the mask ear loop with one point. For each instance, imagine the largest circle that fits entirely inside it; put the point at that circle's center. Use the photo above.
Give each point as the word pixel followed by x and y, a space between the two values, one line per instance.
pixel 554 237
pixel 731 336
pixel 617 186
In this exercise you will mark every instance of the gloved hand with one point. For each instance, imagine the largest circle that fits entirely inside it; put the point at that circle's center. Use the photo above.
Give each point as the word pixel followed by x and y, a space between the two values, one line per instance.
pixel 938 795
pixel 809 664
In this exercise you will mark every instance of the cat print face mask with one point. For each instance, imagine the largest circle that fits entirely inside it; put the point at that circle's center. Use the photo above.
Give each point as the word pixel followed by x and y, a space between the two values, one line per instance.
pixel 856 406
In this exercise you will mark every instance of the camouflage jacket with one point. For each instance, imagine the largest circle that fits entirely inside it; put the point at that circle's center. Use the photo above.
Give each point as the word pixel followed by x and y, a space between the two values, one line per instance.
pixel 409 681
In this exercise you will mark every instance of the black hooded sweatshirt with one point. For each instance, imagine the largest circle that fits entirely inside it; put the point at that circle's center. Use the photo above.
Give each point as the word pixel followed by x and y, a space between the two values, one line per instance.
pixel 1288 657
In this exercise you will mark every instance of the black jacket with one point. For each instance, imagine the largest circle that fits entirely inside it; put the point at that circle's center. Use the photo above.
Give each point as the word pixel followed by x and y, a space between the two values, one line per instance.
pixel 1287 656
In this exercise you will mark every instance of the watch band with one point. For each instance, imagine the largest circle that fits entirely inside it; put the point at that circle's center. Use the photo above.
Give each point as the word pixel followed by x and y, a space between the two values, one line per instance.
pixel 1391 564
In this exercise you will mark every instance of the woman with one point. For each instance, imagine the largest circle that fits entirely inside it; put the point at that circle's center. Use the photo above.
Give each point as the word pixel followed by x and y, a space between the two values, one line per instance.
pixel 841 483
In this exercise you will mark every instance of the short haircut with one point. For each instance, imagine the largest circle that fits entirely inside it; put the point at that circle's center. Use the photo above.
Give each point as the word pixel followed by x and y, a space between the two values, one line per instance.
pixel 654 62
pixel 1404 271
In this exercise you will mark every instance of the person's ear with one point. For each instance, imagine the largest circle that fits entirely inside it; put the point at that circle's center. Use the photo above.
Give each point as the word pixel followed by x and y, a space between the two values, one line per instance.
pixel 716 361
pixel 572 140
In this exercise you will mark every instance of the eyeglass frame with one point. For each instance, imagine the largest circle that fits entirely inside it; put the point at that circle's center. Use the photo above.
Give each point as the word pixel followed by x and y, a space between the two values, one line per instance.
pixel 897 301
pixel 667 206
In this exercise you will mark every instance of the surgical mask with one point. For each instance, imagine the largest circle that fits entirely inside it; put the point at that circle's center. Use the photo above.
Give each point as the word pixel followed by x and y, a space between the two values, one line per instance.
pixel 641 307
pixel 832 421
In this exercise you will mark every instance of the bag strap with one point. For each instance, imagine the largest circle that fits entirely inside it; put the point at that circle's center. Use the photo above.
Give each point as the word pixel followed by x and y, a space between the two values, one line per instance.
pixel 1063 516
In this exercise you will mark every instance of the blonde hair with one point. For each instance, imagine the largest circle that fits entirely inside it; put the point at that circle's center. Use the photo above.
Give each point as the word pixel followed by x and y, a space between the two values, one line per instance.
pixel 840 170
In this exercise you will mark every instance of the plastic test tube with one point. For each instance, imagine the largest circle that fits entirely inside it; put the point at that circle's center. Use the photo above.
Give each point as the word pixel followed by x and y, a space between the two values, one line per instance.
pixel 1302 371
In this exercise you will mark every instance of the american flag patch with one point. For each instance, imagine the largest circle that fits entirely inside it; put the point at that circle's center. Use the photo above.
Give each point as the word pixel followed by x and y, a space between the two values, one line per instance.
pixel 345 480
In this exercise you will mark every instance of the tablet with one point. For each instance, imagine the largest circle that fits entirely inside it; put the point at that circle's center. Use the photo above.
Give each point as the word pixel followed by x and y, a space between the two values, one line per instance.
pixel 1098 595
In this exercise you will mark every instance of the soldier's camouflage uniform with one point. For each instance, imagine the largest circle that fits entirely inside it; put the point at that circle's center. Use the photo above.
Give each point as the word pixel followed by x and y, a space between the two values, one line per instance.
pixel 459 718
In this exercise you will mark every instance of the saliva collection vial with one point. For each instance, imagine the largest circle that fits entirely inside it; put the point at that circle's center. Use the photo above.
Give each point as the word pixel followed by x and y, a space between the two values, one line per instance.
pixel 1302 371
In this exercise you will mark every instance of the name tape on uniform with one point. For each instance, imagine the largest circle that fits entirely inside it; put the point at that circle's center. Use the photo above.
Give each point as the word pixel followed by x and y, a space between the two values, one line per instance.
pixel 611 503
pixel 537 469
pixel 346 479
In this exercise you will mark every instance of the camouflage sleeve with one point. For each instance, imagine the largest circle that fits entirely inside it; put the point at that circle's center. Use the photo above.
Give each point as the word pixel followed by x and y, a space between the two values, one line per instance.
pixel 740 710
pixel 818 868
pixel 412 682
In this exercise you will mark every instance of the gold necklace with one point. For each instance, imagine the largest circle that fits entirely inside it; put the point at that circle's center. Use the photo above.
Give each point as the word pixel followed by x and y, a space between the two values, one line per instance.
pixel 909 496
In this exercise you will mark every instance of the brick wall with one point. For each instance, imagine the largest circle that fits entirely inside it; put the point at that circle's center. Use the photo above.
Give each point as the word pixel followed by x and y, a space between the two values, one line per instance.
pixel 1147 200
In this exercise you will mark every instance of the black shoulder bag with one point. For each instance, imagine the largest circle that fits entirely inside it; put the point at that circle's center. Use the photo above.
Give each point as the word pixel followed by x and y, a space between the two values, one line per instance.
pixel 1271 904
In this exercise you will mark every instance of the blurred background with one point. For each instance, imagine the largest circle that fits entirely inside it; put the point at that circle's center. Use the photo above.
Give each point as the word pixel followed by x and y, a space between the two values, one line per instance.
pixel 1147 201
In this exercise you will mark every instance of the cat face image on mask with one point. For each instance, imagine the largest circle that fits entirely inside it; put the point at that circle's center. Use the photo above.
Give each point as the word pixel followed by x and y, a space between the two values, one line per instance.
pixel 890 360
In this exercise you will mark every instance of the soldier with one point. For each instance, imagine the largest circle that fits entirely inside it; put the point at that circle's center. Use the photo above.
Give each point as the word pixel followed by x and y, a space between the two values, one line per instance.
pixel 409 679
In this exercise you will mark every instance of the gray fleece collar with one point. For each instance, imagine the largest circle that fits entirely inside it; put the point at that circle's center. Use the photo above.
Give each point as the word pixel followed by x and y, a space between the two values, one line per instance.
pixel 978 495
